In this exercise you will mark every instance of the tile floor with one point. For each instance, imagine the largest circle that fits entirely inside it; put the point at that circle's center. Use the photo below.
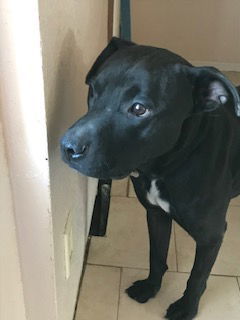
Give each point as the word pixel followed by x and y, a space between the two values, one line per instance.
pixel 120 258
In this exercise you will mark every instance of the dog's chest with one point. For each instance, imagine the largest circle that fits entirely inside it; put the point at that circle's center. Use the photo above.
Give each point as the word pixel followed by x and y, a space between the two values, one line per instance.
pixel 157 198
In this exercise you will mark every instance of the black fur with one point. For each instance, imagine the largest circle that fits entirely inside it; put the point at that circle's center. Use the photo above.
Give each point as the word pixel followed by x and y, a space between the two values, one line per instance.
pixel 188 141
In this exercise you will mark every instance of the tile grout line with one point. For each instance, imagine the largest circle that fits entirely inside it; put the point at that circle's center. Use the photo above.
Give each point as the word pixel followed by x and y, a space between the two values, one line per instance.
pixel 104 265
pixel 119 292
pixel 238 282
pixel 171 271
pixel 113 266
pixel 128 187
pixel 125 197
pixel 175 242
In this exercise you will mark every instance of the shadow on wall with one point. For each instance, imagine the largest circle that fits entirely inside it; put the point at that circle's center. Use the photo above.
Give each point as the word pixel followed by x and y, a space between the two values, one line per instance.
pixel 67 104
pixel 69 101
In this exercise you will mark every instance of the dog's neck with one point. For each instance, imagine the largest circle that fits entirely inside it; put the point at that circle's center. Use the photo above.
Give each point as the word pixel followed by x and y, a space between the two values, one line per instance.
pixel 194 131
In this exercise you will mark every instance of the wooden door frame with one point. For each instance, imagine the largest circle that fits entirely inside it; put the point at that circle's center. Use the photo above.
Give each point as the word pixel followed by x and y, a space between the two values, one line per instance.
pixel 110 18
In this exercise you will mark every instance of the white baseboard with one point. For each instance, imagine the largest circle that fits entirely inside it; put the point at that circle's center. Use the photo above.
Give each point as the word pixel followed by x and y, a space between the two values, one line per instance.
pixel 219 65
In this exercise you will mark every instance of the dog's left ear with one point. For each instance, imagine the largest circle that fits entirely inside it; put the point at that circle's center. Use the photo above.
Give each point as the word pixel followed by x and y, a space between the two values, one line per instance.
pixel 114 45
pixel 211 89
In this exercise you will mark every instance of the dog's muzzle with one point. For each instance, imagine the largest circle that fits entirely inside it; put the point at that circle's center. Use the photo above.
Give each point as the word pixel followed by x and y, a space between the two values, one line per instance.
pixel 89 148
pixel 73 151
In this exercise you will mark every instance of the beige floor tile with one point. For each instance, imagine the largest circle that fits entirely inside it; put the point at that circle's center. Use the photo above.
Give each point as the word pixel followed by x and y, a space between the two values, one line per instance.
pixel 235 201
pixel 119 188
pixel 228 260
pixel 131 192
pixel 221 301
pixel 126 243
pixel 99 294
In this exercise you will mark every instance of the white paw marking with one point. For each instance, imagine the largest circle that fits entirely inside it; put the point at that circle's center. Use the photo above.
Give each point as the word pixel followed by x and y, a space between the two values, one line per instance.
pixel 153 196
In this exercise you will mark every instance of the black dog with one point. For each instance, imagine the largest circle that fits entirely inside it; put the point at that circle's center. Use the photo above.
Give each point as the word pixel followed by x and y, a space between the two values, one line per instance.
pixel 173 128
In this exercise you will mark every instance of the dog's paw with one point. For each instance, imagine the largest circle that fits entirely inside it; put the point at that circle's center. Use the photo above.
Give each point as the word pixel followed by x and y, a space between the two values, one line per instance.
pixel 181 310
pixel 142 291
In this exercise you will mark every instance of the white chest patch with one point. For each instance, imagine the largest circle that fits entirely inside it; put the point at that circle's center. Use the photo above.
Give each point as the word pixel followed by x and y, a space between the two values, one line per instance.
pixel 154 197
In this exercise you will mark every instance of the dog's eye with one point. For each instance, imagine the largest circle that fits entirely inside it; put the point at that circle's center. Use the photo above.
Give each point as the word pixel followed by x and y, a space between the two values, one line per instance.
pixel 138 109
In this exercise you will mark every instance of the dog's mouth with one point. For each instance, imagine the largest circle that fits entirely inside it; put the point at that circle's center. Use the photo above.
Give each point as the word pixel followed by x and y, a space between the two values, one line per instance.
pixel 98 172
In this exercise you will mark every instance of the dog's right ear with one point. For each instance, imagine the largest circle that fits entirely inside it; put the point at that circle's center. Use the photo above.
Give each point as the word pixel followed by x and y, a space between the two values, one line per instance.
pixel 114 45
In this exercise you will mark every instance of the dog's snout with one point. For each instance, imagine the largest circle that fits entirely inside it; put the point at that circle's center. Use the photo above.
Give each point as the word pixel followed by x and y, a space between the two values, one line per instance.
pixel 76 152
pixel 73 151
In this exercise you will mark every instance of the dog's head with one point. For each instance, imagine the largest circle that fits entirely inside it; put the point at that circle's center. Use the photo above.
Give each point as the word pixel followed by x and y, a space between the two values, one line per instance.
pixel 139 98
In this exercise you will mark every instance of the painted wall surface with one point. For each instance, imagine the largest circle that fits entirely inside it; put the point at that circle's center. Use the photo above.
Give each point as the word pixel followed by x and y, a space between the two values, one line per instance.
pixel 24 125
pixel 73 33
pixel 11 291
pixel 42 93
pixel 198 30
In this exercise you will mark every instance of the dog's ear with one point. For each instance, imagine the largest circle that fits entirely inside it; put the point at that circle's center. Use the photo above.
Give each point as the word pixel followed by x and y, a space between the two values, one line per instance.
pixel 211 89
pixel 114 45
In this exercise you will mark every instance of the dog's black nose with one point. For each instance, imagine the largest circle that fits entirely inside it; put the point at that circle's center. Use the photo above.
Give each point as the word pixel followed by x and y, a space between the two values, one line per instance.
pixel 74 152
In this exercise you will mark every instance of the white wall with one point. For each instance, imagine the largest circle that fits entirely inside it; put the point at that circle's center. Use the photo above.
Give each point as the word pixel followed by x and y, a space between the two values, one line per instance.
pixel 24 125
pixel 11 290
pixel 72 33
pixel 42 93
pixel 203 30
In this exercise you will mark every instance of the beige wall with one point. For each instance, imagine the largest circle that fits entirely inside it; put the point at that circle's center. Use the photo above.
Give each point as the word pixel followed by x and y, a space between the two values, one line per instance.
pixel 207 31
pixel 73 33
pixel 24 125
pixel 42 72
pixel 11 291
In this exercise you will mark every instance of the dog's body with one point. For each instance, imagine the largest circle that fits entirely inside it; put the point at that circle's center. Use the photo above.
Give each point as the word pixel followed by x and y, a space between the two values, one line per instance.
pixel 174 126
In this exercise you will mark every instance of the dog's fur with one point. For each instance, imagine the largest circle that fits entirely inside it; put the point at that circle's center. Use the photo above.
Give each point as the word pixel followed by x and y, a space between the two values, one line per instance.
pixel 175 127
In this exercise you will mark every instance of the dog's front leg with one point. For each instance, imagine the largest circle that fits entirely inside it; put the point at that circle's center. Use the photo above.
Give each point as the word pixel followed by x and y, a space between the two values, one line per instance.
pixel 159 227
pixel 186 307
